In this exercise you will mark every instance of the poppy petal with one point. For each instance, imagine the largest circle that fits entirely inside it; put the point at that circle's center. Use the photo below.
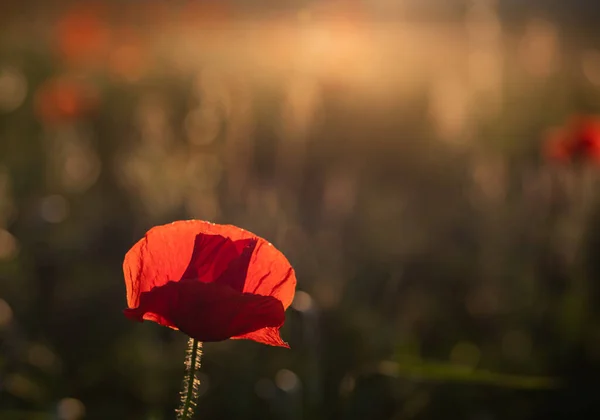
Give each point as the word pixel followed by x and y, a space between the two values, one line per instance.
pixel 211 311
pixel 271 274
pixel 267 335
pixel 211 255
pixel 204 251
pixel 235 275
pixel 172 252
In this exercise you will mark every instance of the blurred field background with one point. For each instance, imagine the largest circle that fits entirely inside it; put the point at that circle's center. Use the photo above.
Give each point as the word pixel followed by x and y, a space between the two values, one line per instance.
pixel 393 150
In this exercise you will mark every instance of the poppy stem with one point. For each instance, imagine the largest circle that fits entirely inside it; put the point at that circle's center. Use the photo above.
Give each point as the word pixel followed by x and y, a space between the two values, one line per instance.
pixel 191 382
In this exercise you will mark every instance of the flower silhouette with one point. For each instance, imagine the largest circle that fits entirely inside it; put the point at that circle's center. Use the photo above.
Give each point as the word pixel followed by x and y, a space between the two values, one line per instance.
pixel 212 282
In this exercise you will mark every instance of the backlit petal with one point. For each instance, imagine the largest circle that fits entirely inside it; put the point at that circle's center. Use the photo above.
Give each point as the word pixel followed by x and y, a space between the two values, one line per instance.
pixel 172 252
pixel 203 250
pixel 267 335
pixel 237 271
pixel 211 311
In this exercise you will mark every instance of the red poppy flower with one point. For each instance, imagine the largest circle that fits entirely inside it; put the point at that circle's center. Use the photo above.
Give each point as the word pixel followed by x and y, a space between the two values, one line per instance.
pixel 212 282
pixel 580 139
pixel 61 99
pixel 82 34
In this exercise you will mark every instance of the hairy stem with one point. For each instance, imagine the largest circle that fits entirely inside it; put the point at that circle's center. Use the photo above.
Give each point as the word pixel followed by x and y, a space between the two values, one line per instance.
pixel 189 393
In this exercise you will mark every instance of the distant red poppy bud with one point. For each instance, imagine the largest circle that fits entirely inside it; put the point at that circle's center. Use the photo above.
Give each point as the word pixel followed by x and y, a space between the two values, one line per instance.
pixel 212 282
pixel 82 34
pixel 580 139
pixel 62 99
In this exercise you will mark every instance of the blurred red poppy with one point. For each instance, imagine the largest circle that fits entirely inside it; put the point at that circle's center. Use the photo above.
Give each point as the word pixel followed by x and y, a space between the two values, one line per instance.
pixel 82 34
pixel 62 99
pixel 578 140
pixel 212 282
